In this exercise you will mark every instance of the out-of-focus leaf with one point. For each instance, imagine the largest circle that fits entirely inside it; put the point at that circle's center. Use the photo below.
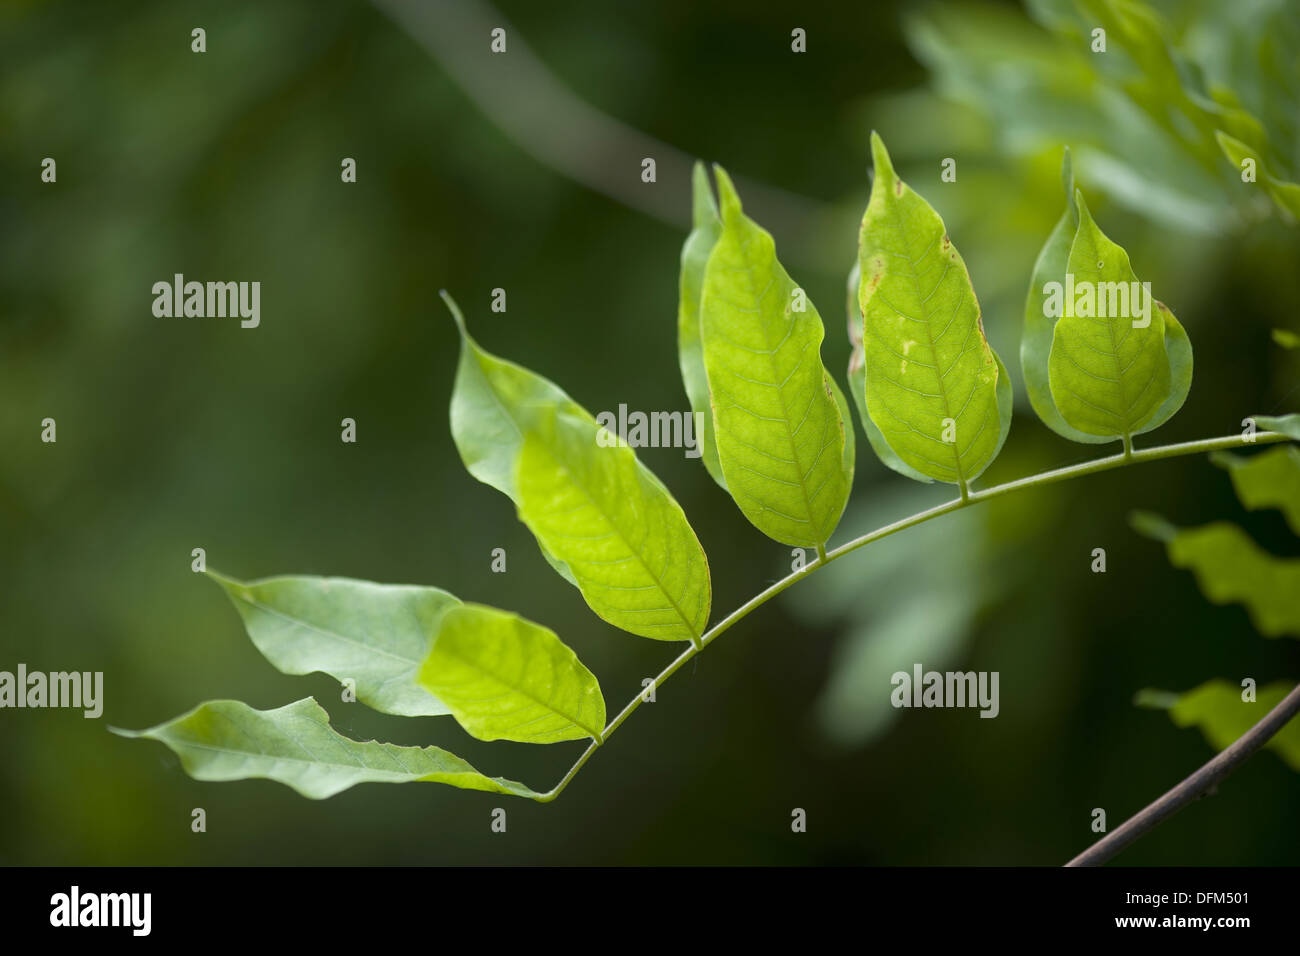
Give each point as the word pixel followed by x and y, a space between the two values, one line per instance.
pixel 600 516
pixel 1041 87
pixel 781 440
pixel 1109 378
pixel 1285 194
pixel 706 227
pixel 1217 709
pixel 1270 479
pixel 505 678
pixel 1231 569
pixel 1282 424
pixel 1286 338
pixel 296 746
pixel 934 388
pixel 374 634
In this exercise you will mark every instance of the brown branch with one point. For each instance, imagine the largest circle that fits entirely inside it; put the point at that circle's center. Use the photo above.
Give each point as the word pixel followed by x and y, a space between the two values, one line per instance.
pixel 1194 786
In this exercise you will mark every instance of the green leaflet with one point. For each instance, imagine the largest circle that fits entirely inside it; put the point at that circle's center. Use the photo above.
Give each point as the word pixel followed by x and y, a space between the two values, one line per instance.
pixel 1217 709
pixel 377 635
pixel 1042 313
pixel 1231 569
pixel 1270 479
pixel 781 440
pixel 690 352
pixel 599 515
pixel 1286 338
pixel 934 389
pixel 638 564
pixel 296 746
pixel 1036 340
pixel 857 376
pixel 505 678
pixel 1285 194
pixel 1108 377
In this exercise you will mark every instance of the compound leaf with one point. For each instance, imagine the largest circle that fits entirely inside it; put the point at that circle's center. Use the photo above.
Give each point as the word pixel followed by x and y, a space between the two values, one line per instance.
pixel 505 678
pixel 706 227
pixel 1270 479
pixel 1223 717
pixel 935 390
pixel 1110 374
pixel 781 439
pixel 1231 569
pixel 374 634
pixel 296 746
pixel 600 516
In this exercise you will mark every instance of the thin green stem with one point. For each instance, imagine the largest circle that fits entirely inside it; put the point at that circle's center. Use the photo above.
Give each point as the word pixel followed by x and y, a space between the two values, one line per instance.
pixel 1127 457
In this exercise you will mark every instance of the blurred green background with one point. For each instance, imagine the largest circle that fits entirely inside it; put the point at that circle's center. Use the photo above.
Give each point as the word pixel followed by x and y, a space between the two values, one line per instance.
pixel 182 433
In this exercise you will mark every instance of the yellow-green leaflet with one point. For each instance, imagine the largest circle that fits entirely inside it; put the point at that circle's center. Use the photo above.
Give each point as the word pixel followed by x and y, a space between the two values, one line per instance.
pixel 1036 337
pixel 1109 368
pixel 706 226
pixel 599 515
pixel 296 746
pixel 506 678
pixel 935 390
pixel 1089 376
pixel 780 433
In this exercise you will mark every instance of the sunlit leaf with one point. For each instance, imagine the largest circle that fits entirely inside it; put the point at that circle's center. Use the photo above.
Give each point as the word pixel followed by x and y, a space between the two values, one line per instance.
pixel 1217 709
pixel 934 388
pixel 1286 338
pixel 1036 339
pixel 857 377
pixel 706 227
pixel 1109 376
pixel 1270 479
pixel 505 678
pixel 374 634
pixel 296 746
pixel 598 514
pixel 781 440
pixel 1231 569
pixel 638 564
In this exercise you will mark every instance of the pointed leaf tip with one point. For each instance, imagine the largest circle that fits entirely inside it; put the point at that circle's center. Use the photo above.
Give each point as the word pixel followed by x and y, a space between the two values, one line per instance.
pixel 880 160
pixel 703 207
pixel 454 309
pixel 728 198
